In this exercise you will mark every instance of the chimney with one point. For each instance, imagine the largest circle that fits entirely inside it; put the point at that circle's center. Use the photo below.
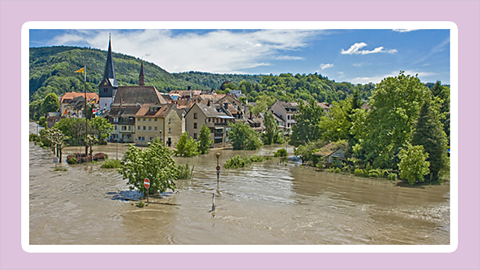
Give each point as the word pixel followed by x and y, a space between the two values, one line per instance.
pixel 251 115
pixel 226 105
pixel 208 104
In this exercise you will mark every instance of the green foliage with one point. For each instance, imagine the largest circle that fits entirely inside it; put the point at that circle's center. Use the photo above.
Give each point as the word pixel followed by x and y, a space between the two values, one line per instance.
pixel 306 151
pixel 112 164
pixel 429 133
pixel 140 204
pixel 42 121
pixel 155 163
pixel 50 104
pixel 263 102
pixel 413 165
pixel 186 146
pixel 61 169
pixel 392 176
pixel 243 137
pixel 335 125
pixel 184 172
pixel 272 133
pixel 384 129
pixel 360 173
pixel 331 170
pixel 320 166
pixel 102 127
pixel 73 160
pixel 32 137
pixel 338 170
pixel 307 127
pixel 377 173
pixel 280 153
pixel 35 110
pixel 204 141
pixel 239 162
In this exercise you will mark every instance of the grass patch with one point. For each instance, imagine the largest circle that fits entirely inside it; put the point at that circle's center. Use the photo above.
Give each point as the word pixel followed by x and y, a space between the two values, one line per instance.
pixel 61 169
pixel 240 162
pixel 112 164
pixel 184 172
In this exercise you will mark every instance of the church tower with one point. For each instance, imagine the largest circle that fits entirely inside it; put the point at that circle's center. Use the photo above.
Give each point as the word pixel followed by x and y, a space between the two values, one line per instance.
pixel 141 78
pixel 108 86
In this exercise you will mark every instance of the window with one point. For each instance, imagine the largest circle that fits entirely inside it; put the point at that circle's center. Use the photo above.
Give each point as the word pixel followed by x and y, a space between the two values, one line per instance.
pixel 194 125
pixel 155 119
pixel 151 138
pixel 149 128
pixel 169 130
pixel 155 128
pixel 144 128
pixel 138 127
pixel 169 120
pixel 149 119
pixel 115 127
pixel 129 127
pixel 124 127
pixel 143 119
pixel 195 136
pixel 195 116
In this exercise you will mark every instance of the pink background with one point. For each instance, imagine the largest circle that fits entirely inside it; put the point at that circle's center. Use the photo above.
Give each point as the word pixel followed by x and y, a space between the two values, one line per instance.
pixel 13 14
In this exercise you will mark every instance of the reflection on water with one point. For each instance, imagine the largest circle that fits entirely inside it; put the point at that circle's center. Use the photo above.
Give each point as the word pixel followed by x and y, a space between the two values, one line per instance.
pixel 267 203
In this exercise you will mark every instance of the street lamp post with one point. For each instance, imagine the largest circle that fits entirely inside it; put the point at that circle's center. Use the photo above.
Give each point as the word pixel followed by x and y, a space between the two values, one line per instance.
pixel 218 167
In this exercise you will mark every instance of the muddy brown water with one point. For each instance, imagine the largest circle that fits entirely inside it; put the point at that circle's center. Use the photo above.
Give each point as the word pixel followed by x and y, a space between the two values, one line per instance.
pixel 266 203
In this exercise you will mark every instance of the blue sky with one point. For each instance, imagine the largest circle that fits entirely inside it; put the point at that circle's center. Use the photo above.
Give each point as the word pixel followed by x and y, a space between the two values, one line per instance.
pixel 356 56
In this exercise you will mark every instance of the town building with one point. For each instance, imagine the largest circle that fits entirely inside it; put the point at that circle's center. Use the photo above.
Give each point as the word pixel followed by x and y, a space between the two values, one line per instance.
pixel 108 86
pixel 285 111
pixel 162 121
pixel 72 103
pixel 211 114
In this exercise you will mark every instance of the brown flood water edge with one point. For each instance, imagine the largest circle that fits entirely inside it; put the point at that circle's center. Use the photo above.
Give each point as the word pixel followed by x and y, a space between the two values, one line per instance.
pixel 266 203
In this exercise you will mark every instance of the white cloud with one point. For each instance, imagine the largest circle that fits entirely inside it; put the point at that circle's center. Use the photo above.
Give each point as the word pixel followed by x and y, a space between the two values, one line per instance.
pixel 404 30
pixel 377 79
pixel 219 51
pixel 324 66
pixel 288 57
pixel 355 49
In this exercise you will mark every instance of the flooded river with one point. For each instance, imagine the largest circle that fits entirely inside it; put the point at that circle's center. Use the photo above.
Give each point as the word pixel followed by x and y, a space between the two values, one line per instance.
pixel 266 203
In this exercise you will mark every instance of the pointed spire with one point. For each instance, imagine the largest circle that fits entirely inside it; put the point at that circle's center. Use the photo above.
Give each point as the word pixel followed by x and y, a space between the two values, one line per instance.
pixel 141 78
pixel 109 74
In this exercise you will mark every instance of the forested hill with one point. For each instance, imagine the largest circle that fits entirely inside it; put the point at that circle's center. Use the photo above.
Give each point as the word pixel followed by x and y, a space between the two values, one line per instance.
pixel 52 70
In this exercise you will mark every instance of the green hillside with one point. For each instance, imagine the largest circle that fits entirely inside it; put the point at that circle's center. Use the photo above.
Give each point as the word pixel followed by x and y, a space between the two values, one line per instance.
pixel 52 71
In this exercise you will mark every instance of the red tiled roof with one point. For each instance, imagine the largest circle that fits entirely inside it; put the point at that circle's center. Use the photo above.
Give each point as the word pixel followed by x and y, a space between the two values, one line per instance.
pixel 67 97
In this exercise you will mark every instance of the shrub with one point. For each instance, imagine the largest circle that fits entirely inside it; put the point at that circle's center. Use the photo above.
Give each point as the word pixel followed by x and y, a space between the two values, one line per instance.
pixel 239 162
pixel 112 164
pixel 280 153
pixel 375 173
pixel 346 169
pixel 320 166
pixel 60 169
pixel 337 170
pixel 140 204
pixel 184 172
pixel 99 156
pixel 32 137
pixel 358 172
pixel 392 176
pixel 331 169
pixel 71 160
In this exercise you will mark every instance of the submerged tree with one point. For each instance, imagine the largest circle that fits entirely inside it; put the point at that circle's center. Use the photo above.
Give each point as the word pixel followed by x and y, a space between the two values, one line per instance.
pixel 272 133
pixel 307 129
pixel 186 146
pixel 413 165
pixel 204 141
pixel 155 163
pixel 243 137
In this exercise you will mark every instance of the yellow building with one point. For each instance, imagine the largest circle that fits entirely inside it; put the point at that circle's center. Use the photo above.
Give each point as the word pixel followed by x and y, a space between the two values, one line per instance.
pixel 162 121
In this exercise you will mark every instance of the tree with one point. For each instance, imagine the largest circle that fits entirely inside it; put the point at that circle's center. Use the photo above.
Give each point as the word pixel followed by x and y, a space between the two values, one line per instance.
pixel 429 133
pixel 186 146
pixel 90 141
pixel 50 104
pixel 204 141
pixel 272 133
pixel 413 165
pixel 102 128
pixel 335 125
pixel 307 129
pixel 155 163
pixel 243 137
pixel 394 107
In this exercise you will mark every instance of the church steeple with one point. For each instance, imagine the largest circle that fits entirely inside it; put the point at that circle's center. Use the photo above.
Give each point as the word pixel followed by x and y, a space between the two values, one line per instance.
pixel 109 77
pixel 141 78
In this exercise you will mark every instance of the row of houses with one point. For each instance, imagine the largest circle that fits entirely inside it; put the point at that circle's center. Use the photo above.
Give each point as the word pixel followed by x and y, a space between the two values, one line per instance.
pixel 141 113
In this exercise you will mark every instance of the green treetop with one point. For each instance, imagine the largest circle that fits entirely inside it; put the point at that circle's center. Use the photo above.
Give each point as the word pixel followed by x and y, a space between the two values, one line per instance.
pixel 243 137
pixel 204 141
pixel 307 127
pixel 50 104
